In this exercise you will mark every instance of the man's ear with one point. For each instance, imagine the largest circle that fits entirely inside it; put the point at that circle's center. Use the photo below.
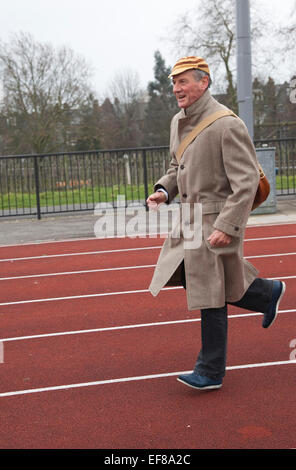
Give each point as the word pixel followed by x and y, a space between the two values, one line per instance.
pixel 205 82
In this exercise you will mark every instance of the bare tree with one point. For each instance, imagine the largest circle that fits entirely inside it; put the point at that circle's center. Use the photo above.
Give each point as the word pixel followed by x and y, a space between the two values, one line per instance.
pixel 209 31
pixel 125 87
pixel 286 43
pixel 41 87
pixel 127 98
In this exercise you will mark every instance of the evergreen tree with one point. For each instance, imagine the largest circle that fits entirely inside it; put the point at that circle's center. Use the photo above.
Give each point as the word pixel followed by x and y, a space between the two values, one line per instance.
pixel 162 105
pixel 87 132
pixel 110 126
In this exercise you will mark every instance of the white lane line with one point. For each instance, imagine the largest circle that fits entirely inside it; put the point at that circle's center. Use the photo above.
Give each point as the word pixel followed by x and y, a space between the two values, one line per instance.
pixel 121 268
pixel 127 327
pixel 101 252
pixel 85 296
pixel 122 250
pixel 268 238
pixel 133 379
pixel 270 255
pixel 103 294
pixel 86 271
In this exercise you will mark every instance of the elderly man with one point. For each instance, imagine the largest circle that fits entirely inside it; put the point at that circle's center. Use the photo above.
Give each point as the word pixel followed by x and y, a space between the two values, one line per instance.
pixel 219 171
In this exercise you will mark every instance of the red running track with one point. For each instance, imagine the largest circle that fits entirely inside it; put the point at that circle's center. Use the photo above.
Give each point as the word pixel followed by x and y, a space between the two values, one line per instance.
pixel 90 358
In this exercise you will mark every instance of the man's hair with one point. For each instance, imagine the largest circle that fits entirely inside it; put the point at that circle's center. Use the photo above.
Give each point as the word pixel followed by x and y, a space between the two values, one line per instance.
pixel 199 74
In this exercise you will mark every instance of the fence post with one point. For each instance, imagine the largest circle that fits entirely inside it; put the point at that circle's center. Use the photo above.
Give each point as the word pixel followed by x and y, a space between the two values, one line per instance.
pixel 145 174
pixel 36 174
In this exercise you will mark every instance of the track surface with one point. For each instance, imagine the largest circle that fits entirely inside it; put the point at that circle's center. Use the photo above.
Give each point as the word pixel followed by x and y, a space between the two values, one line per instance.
pixel 90 358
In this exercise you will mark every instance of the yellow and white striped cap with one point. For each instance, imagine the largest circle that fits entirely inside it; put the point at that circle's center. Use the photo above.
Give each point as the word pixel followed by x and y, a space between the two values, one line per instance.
pixel 187 63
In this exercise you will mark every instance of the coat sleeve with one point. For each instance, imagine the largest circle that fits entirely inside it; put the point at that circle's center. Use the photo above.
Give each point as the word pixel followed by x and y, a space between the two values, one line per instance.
pixel 169 181
pixel 241 167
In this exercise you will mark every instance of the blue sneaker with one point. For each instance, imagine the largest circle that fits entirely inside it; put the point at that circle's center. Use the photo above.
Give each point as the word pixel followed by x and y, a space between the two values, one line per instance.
pixel 199 382
pixel 278 291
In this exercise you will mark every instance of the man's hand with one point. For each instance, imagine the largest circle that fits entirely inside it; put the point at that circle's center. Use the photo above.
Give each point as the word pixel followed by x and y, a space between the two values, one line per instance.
pixel 219 239
pixel 155 199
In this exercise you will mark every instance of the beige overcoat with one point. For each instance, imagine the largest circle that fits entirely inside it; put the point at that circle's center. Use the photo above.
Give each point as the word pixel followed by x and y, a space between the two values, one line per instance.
pixel 218 170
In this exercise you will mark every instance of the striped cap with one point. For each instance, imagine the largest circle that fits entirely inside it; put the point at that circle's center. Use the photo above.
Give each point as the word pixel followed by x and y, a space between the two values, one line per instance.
pixel 187 63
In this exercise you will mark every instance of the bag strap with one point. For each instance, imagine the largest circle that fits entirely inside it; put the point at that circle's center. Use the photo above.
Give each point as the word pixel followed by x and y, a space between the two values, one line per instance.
pixel 200 127
pixel 261 171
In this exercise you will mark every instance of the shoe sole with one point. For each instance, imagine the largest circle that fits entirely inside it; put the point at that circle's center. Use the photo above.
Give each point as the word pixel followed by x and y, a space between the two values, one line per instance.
pixel 278 304
pixel 208 387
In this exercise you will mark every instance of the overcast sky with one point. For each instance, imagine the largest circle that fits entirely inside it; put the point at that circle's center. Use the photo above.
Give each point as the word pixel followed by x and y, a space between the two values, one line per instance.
pixel 112 35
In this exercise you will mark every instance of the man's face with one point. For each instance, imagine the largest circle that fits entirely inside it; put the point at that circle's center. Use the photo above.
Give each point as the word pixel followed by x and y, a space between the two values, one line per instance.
pixel 187 90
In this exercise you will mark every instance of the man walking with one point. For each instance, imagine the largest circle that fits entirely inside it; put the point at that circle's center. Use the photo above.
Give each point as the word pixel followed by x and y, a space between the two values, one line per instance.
pixel 218 170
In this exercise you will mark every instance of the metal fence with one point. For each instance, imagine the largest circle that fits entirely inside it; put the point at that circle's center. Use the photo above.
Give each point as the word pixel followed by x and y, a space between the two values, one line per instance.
pixel 82 181
pixel 78 181
pixel 285 164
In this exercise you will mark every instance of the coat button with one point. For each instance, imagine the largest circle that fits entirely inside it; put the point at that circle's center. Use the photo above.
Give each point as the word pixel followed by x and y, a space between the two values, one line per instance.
pixel 182 167
pixel 236 229
pixel 184 195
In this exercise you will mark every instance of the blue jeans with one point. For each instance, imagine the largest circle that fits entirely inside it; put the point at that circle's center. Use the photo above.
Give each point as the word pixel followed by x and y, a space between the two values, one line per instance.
pixel 211 360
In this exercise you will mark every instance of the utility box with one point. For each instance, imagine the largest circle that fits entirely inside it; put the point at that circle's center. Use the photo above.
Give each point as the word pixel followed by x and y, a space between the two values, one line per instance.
pixel 266 158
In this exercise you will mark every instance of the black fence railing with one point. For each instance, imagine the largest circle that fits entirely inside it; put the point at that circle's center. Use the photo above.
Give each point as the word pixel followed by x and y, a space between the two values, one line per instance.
pixel 285 164
pixel 83 181
pixel 78 181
